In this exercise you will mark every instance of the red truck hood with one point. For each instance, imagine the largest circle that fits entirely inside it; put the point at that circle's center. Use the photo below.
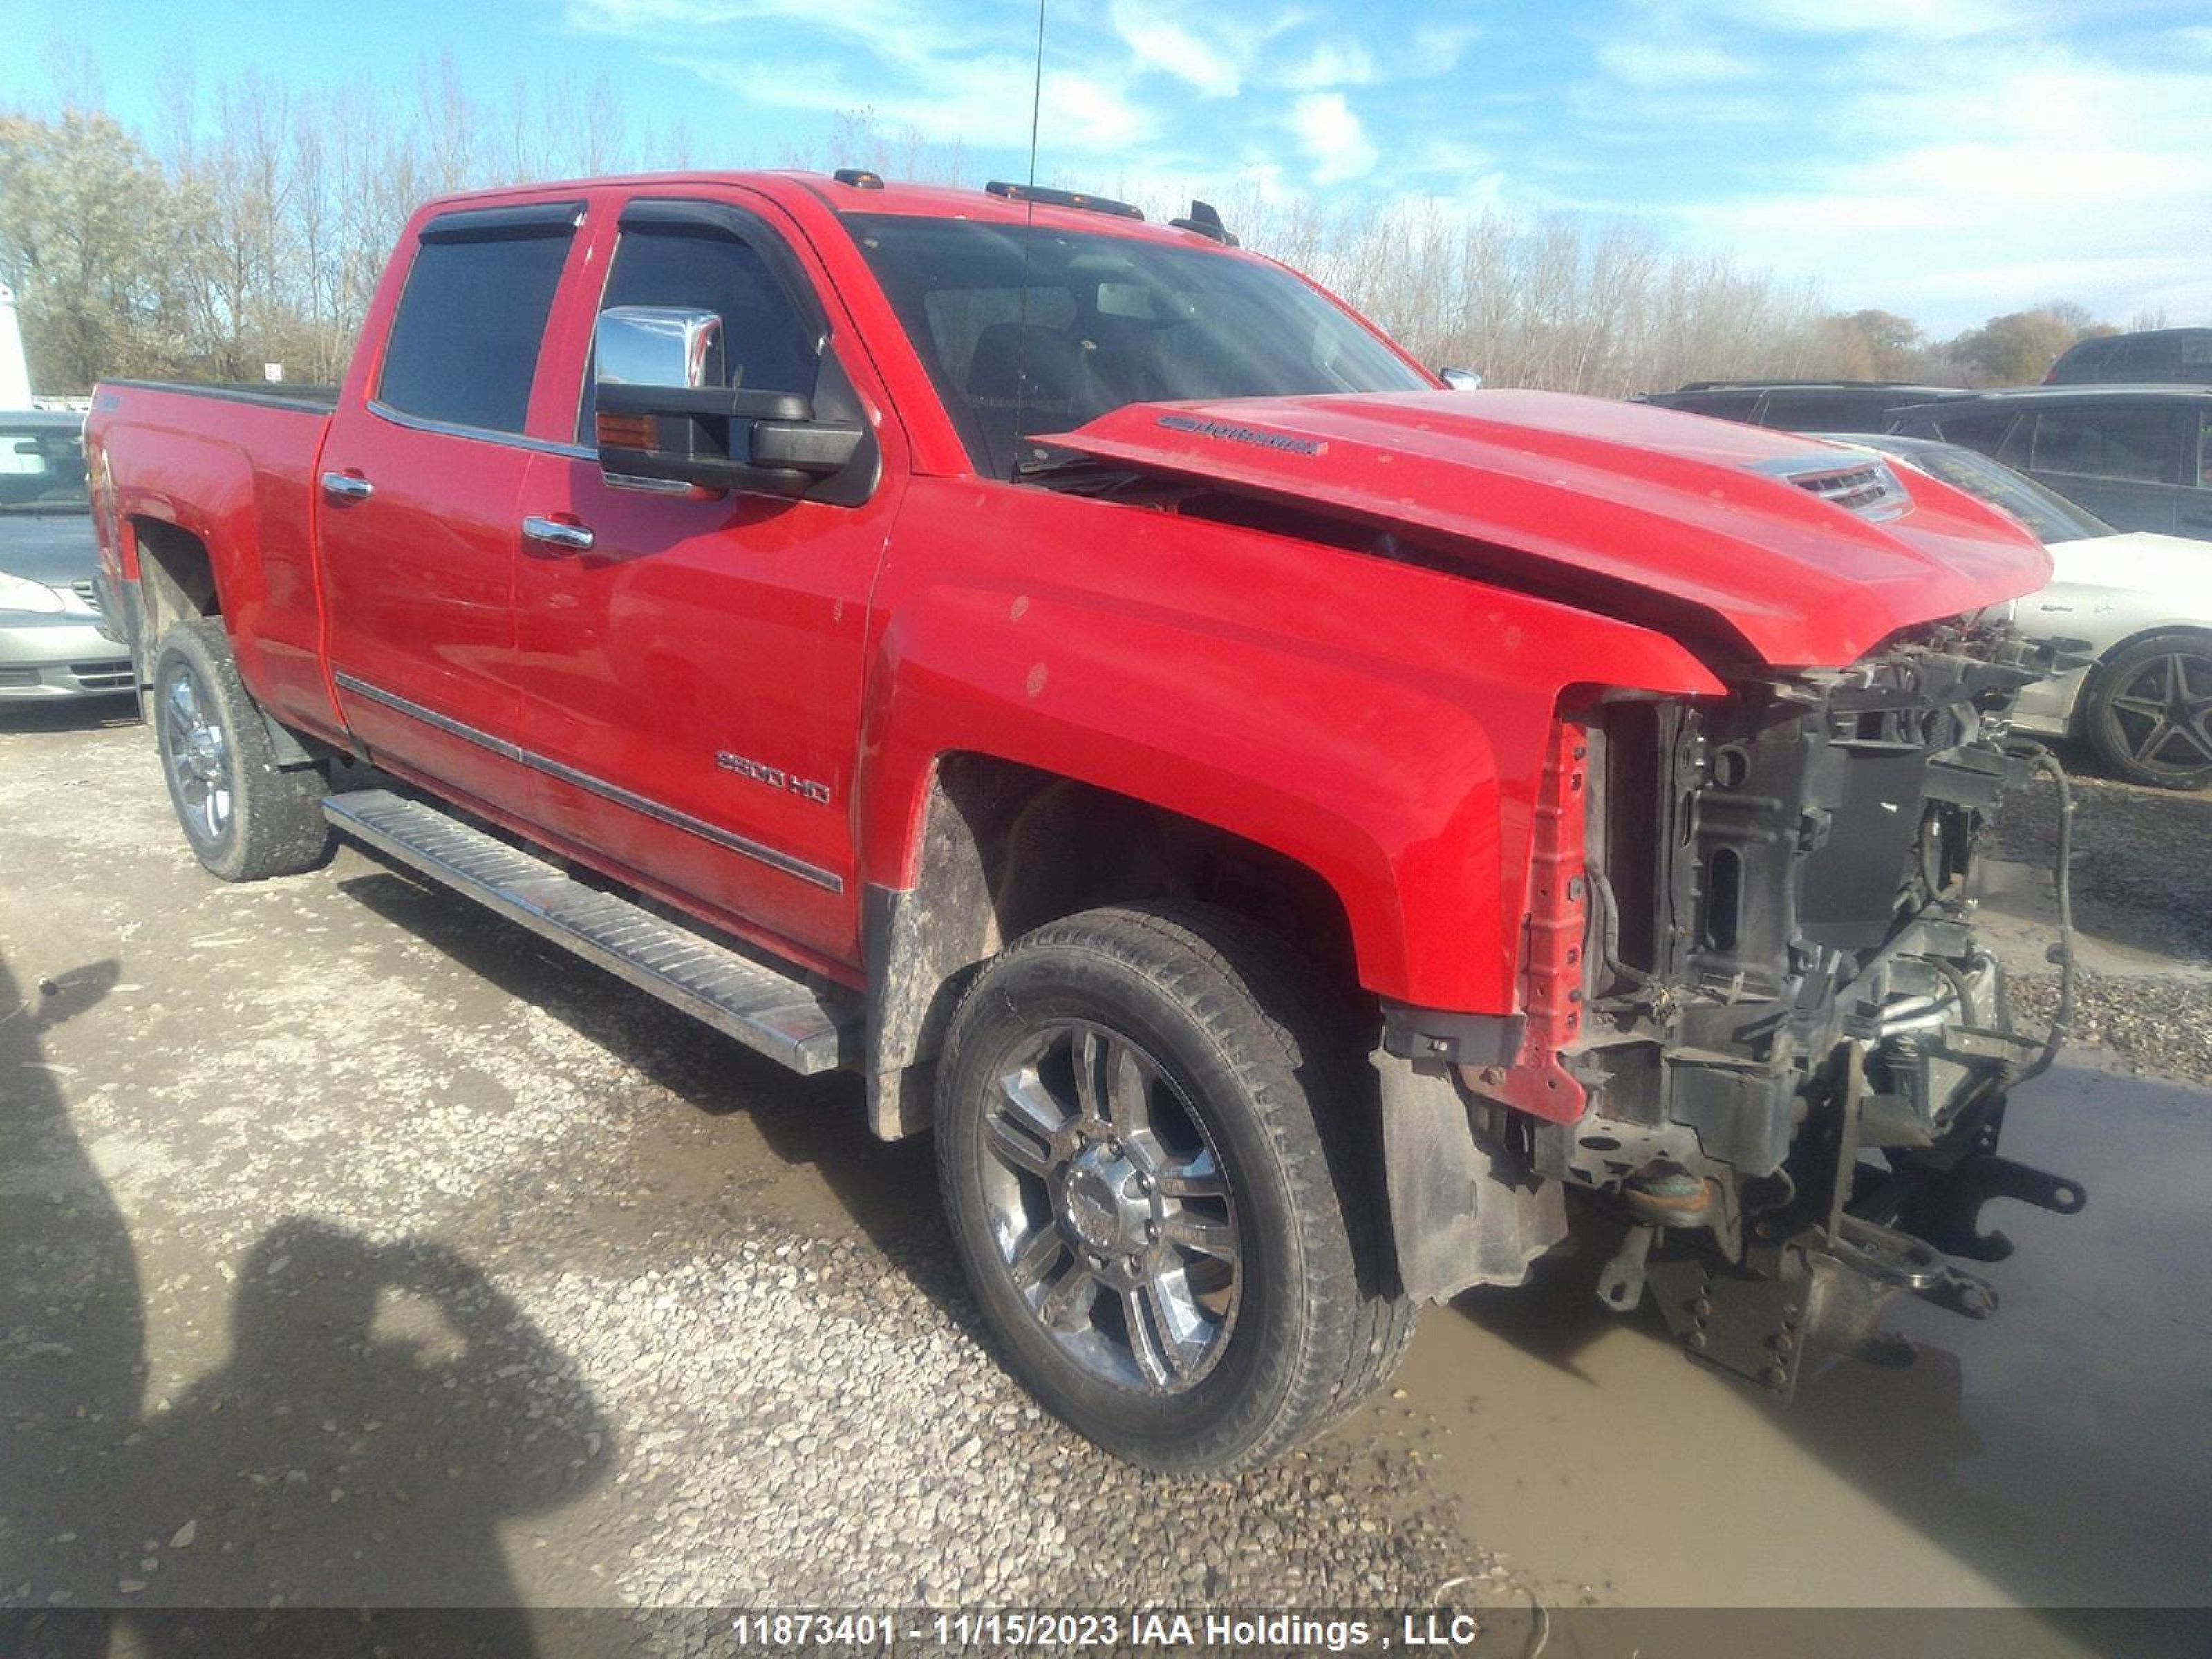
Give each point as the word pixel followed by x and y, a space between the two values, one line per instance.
pixel 1710 526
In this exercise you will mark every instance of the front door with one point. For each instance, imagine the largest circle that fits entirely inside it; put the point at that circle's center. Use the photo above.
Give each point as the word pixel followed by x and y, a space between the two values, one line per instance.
pixel 419 481
pixel 693 676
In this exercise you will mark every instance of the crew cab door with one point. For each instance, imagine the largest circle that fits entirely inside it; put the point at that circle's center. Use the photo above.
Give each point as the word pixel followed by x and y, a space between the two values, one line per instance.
pixel 419 479
pixel 692 662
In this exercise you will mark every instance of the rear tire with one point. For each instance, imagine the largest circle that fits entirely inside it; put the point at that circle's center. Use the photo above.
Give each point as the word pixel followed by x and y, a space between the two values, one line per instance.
pixel 1153 1181
pixel 245 816
pixel 2149 712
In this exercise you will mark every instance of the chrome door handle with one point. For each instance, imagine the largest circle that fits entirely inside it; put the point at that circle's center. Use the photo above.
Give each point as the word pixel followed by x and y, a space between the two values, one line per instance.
pixel 554 532
pixel 348 486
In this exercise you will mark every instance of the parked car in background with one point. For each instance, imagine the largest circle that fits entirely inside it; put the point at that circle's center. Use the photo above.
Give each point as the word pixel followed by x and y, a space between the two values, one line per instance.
pixel 50 642
pixel 2140 601
pixel 2182 356
pixel 1800 405
pixel 2139 457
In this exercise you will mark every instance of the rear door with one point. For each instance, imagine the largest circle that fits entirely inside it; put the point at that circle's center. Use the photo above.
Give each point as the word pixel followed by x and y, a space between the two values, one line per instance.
pixel 693 678
pixel 419 478
pixel 2121 459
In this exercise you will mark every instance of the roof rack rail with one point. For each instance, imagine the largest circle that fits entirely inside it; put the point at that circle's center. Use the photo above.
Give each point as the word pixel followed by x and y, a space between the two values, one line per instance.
pixel 1067 198
pixel 1205 221
pixel 859 177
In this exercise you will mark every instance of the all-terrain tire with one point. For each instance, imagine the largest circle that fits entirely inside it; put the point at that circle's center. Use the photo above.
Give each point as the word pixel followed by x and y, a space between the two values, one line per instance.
pixel 1232 1023
pixel 264 820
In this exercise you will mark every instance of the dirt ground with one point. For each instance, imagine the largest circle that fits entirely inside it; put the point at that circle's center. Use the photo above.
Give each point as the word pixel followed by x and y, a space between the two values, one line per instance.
pixel 356 1248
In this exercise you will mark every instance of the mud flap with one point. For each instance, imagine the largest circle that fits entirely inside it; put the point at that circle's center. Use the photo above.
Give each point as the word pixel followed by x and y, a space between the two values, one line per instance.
pixel 1462 1212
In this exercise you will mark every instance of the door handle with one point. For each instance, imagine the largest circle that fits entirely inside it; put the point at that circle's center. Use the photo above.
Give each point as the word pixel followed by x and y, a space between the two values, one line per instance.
pixel 348 486
pixel 557 532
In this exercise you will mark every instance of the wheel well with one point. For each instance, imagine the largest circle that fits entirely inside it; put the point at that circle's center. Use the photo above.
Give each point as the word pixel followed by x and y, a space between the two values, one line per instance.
pixel 176 577
pixel 1006 848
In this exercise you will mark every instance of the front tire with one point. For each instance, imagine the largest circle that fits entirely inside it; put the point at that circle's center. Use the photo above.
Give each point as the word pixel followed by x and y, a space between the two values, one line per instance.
pixel 1156 1191
pixel 245 816
pixel 2149 712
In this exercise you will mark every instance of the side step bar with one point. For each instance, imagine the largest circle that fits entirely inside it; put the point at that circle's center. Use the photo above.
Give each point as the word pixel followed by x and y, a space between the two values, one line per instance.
pixel 807 1029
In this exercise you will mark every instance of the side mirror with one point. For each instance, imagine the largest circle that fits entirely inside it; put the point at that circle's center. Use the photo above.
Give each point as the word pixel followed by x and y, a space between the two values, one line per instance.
pixel 665 413
pixel 1461 379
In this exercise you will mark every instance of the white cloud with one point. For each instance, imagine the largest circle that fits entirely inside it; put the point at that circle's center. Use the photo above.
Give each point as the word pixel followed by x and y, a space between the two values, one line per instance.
pixel 1671 61
pixel 1925 19
pixel 1330 133
pixel 1979 178
pixel 1160 40
pixel 1331 64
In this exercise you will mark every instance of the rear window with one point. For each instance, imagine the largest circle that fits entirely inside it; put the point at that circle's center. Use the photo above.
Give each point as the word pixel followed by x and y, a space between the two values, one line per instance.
pixel 1830 411
pixel 1721 405
pixel 463 346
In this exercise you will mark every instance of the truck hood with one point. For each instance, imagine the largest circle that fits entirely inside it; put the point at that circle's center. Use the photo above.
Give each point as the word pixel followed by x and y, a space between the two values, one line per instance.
pixel 1786 550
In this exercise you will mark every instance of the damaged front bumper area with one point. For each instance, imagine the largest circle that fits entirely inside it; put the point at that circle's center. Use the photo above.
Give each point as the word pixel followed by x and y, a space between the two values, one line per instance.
pixel 1794 1055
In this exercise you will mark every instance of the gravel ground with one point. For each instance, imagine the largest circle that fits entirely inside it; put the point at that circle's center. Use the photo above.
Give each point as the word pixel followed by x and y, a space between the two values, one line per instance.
pixel 355 1249
pixel 2142 896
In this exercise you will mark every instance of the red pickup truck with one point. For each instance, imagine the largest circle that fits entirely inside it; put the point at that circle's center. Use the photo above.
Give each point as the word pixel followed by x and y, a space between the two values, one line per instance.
pixel 1307 839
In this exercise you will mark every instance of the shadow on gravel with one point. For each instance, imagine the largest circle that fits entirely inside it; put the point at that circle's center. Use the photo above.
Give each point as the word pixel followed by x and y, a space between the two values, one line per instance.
pixel 889 1190
pixel 70 714
pixel 383 1410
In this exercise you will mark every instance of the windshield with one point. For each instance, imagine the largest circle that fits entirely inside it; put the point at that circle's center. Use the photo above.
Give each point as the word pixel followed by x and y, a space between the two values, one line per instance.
pixel 2050 515
pixel 1107 320
pixel 42 468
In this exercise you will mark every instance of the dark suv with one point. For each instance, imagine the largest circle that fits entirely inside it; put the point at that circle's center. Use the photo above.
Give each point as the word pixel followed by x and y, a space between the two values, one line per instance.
pixel 2173 356
pixel 1799 405
pixel 2139 457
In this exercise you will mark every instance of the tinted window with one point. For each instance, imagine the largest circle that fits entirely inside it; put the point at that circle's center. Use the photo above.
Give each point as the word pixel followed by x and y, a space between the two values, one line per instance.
pixel 2204 451
pixel 2126 442
pixel 1107 321
pixel 1984 432
pixel 767 346
pixel 463 347
pixel 1835 411
pixel 1721 405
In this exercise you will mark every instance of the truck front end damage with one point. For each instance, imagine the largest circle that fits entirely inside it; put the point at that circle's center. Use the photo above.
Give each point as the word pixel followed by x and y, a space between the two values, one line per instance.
pixel 1761 1039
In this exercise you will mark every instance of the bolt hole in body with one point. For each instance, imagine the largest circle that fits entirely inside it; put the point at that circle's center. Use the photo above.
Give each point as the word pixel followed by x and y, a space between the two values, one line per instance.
pixel 197 751
pixel 1110 1209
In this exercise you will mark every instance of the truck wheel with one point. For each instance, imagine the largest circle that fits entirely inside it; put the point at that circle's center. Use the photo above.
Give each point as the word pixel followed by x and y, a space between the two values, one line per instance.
pixel 2149 712
pixel 245 818
pixel 1155 1188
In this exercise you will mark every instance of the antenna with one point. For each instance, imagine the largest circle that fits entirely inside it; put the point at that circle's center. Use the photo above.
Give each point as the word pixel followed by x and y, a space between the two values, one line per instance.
pixel 1028 230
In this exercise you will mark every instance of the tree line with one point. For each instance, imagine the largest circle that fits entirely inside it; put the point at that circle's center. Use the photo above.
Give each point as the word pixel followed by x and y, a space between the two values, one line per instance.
pixel 252 228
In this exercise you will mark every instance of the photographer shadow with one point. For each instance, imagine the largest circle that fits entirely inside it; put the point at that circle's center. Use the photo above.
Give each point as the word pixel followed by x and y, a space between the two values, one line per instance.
pixel 386 1409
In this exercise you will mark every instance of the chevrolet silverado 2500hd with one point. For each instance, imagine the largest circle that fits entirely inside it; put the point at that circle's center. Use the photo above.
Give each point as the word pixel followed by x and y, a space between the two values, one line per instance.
pixel 1305 838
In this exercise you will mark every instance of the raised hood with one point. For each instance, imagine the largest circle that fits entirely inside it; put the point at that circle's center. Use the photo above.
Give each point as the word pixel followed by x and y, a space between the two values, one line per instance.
pixel 1797 552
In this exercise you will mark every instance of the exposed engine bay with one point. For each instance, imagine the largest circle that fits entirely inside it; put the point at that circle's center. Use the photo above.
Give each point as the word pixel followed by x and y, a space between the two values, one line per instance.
pixel 1794 1053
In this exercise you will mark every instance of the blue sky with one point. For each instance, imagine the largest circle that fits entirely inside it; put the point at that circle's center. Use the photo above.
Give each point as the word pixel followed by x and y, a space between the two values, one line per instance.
pixel 1948 159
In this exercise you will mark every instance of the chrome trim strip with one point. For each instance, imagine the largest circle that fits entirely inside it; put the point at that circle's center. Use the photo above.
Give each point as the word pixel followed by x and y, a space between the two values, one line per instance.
pixel 482 434
pixel 828 880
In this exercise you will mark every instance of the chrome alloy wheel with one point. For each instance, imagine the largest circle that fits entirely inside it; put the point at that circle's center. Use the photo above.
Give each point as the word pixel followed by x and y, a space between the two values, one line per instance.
pixel 198 754
pixel 1110 1209
pixel 2165 713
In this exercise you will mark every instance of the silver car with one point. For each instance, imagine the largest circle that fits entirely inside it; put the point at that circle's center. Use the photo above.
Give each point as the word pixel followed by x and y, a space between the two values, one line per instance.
pixel 53 641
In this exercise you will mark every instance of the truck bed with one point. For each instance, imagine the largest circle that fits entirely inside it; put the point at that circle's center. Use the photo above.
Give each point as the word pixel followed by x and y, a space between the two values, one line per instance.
pixel 309 398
